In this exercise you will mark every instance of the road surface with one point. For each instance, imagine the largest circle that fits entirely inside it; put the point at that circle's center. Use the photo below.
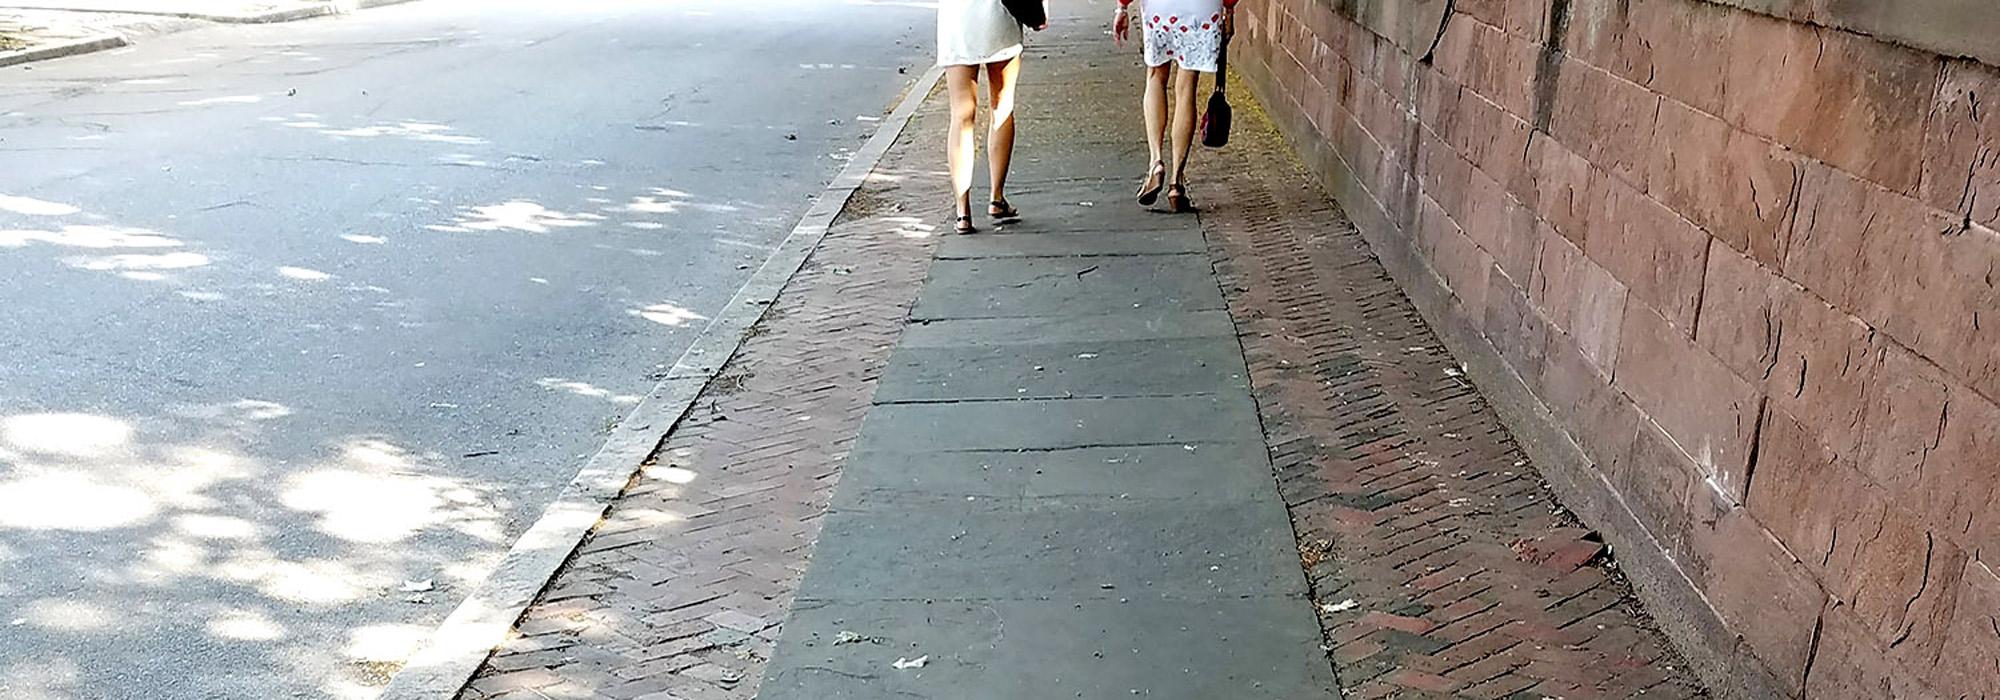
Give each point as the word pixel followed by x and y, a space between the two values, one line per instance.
pixel 304 323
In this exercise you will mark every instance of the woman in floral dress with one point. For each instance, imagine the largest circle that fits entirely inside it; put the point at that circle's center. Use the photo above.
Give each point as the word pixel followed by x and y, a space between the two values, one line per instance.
pixel 1183 39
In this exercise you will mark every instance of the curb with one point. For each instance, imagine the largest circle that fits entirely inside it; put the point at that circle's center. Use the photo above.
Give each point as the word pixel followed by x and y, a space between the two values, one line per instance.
pixel 73 47
pixel 456 649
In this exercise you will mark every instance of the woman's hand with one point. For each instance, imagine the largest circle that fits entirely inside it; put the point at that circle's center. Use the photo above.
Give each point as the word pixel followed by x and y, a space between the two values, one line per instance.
pixel 1228 21
pixel 1121 26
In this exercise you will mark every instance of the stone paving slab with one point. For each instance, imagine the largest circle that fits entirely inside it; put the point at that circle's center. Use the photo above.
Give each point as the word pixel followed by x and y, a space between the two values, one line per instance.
pixel 1013 650
pixel 1013 242
pixel 1058 424
pixel 1060 286
pixel 1215 473
pixel 1130 549
pixel 1141 324
pixel 1065 370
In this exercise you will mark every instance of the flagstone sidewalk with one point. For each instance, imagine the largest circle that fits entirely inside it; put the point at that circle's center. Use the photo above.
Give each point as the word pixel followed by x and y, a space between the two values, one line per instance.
pixel 1099 453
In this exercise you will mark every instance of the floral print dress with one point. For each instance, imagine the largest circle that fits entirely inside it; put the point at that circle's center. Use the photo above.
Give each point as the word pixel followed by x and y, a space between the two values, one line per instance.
pixel 1185 31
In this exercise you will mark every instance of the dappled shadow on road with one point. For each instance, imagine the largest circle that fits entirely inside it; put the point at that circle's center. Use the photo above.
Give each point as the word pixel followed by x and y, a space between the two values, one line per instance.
pixel 178 527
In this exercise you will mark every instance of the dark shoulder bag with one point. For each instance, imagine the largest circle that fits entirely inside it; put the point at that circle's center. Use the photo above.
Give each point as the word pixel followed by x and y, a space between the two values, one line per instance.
pixel 1030 13
pixel 1215 123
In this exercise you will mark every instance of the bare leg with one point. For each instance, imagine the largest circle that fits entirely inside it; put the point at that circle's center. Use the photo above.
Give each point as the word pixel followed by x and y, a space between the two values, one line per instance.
pixel 1000 79
pixel 1186 82
pixel 960 82
pixel 1155 107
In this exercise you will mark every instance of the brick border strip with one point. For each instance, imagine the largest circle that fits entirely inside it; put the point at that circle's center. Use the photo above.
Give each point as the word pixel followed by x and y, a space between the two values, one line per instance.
pixel 453 652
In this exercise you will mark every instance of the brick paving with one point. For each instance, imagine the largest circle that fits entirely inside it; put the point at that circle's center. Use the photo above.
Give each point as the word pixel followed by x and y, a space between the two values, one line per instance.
pixel 681 591
pixel 1441 564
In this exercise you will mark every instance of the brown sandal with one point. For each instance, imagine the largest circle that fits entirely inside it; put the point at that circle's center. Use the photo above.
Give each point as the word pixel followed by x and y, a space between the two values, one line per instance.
pixel 1177 199
pixel 1149 188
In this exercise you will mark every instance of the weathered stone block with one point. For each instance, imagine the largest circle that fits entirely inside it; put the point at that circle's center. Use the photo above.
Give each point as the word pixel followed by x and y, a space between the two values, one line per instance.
pixel 1562 187
pixel 1607 118
pixel 1961 156
pixel 1597 415
pixel 1763 593
pixel 1658 255
pixel 1850 100
pixel 1737 186
pixel 1709 411
pixel 1970 662
pixel 1598 318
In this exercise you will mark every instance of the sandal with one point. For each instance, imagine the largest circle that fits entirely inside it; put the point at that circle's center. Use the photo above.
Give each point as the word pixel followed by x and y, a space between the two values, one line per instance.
pixel 1000 210
pixel 963 224
pixel 1149 188
pixel 1177 199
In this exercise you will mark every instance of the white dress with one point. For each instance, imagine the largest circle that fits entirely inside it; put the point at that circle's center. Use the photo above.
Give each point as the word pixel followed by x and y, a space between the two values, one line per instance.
pixel 976 32
pixel 1186 31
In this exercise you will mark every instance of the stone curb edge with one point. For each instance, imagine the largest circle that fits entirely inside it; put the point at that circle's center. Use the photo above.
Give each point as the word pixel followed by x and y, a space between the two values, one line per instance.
pixel 90 44
pixel 454 651
pixel 120 38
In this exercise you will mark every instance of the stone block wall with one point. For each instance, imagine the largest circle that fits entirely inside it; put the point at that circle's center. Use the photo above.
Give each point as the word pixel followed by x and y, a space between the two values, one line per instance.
pixel 1745 260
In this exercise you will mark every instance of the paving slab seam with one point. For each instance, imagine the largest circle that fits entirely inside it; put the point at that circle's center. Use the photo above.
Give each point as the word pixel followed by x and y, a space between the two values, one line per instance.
pixel 455 650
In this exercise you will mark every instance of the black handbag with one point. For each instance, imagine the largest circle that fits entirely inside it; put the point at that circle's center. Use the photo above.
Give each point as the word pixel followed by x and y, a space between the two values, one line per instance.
pixel 1030 13
pixel 1215 122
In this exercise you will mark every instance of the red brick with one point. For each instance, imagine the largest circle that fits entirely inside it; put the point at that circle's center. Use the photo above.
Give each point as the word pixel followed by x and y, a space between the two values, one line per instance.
pixel 1970 662
pixel 1607 118
pixel 1737 186
pixel 1961 156
pixel 1708 410
pixel 1422 681
pixel 1382 620
pixel 1854 102
pixel 1657 255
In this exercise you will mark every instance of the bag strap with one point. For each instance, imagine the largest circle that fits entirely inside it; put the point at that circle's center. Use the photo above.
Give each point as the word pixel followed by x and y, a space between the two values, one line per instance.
pixel 1222 66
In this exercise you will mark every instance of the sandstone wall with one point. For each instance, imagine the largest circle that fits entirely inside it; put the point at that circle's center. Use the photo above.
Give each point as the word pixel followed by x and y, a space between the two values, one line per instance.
pixel 1742 257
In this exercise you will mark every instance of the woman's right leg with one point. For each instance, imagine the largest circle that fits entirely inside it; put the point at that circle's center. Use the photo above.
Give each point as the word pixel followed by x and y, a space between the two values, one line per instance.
pixel 961 84
pixel 1154 107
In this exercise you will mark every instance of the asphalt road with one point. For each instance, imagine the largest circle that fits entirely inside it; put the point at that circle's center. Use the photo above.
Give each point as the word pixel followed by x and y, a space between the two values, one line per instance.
pixel 301 324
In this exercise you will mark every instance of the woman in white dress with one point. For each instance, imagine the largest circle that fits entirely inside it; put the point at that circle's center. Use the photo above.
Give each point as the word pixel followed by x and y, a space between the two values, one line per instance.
pixel 1183 40
pixel 976 36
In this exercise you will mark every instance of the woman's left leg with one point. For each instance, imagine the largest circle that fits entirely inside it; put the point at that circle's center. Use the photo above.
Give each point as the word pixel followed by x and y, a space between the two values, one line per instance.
pixel 1000 79
pixel 1186 83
